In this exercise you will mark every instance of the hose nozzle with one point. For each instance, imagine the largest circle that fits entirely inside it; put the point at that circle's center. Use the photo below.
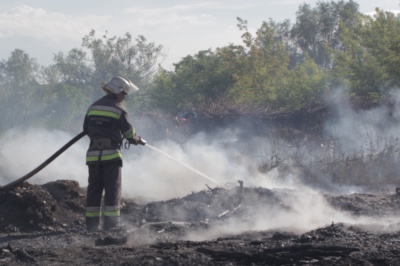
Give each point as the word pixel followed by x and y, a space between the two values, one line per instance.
pixel 142 142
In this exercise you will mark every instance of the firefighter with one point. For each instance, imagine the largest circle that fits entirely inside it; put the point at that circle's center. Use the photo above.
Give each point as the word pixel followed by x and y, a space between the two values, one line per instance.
pixel 106 123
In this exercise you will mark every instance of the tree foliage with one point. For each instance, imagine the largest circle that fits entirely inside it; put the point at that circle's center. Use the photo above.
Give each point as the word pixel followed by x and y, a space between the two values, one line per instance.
pixel 19 87
pixel 256 77
pixel 197 81
pixel 370 63
pixel 135 59
pixel 317 31
pixel 59 94
pixel 279 67
pixel 266 69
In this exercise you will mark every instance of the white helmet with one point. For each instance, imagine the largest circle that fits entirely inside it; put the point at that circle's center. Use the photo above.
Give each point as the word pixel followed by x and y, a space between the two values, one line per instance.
pixel 118 84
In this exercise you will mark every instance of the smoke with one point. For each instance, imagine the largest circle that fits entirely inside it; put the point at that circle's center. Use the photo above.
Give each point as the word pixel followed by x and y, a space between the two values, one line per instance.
pixel 23 150
pixel 306 212
pixel 356 130
pixel 226 155
pixel 157 177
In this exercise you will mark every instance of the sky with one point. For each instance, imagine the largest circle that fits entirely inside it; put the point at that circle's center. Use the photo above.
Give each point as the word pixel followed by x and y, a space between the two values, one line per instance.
pixel 43 28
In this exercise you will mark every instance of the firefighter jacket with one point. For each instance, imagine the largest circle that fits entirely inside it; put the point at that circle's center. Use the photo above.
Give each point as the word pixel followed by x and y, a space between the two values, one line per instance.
pixel 106 124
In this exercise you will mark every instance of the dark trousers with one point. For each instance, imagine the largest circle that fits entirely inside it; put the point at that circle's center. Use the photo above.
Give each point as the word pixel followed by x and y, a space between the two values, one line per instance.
pixel 103 177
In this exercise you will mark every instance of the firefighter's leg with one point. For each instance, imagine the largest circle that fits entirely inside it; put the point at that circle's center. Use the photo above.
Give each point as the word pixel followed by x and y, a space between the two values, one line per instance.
pixel 93 197
pixel 112 197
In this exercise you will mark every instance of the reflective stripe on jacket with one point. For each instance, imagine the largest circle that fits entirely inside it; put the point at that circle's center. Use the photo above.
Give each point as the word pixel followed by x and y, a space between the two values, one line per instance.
pixel 103 155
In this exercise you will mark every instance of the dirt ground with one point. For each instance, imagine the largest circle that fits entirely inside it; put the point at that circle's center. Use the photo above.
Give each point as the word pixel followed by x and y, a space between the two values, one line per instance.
pixel 44 225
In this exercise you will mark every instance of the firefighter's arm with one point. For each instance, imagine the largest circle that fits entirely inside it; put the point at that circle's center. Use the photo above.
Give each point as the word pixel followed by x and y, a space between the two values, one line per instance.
pixel 129 132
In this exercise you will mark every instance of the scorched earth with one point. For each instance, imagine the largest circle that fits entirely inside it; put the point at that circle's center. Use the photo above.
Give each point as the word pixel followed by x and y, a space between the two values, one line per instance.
pixel 240 225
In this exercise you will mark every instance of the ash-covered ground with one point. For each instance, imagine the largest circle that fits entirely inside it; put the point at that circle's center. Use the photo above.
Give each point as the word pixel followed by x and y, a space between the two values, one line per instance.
pixel 235 225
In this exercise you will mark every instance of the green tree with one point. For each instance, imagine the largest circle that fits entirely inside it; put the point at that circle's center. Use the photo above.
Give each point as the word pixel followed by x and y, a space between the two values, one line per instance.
pixel 68 82
pixel 306 86
pixel 20 70
pixel 65 107
pixel 381 38
pixel 163 92
pixel 369 64
pixel 74 79
pixel 265 68
pixel 316 30
pixel 198 81
pixel 21 95
pixel 136 59
pixel 72 69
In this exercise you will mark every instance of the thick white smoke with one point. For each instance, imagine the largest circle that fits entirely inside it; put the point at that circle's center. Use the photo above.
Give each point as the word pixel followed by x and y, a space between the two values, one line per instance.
pixel 156 176
pixel 23 150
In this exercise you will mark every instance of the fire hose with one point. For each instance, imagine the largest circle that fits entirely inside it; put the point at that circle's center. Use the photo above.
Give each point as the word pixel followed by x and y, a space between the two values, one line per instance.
pixel 41 166
pixel 19 181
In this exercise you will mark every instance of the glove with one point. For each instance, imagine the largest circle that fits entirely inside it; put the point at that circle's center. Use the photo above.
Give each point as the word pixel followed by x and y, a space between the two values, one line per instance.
pixel 136 140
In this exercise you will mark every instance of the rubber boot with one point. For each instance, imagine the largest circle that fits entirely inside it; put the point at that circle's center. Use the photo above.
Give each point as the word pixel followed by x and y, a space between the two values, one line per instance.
pixel 92 223
pixel 111 222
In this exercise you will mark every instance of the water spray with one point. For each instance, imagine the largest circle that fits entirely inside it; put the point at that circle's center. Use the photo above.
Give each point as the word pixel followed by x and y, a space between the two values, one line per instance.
pixel 181 163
